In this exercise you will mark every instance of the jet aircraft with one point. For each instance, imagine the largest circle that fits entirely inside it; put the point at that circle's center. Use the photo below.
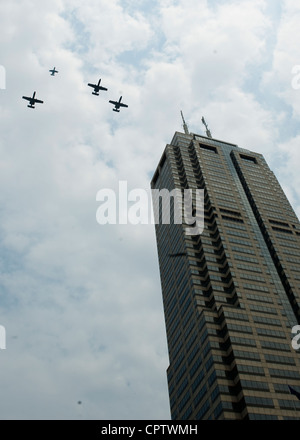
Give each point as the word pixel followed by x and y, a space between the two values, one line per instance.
pixel 32 100
pixel 53 71
pixel 118 104
pixel 97 87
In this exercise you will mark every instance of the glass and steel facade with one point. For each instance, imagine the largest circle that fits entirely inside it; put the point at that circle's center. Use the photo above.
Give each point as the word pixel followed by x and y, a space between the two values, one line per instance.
pixel 231 294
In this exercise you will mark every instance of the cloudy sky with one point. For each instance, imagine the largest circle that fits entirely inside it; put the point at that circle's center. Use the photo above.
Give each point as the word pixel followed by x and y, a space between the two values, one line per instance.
pixel 81 302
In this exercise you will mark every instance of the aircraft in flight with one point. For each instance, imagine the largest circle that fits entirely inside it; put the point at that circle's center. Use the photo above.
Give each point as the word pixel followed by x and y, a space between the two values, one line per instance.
pixel 118 104
pixel 32 100
pixel 53 71
pixel 97 87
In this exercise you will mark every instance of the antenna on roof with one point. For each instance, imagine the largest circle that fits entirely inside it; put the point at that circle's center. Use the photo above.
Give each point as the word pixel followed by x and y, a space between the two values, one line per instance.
pixel 185 127
pixel 208 133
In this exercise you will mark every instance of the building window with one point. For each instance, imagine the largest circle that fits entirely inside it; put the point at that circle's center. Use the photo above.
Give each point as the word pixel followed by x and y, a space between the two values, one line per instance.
pixel 276 222
pixel 209 148
pixel 248 158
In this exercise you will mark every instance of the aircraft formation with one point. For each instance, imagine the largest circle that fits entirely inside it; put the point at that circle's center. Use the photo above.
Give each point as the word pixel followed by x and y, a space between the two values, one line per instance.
pixel 97 87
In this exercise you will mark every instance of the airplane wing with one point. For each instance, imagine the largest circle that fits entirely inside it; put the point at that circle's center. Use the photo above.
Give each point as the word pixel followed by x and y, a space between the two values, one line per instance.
pixel 114 102
pixel 26 97
pixel 102 88
pixel 92 85
pixel 122 105
pixel 38 101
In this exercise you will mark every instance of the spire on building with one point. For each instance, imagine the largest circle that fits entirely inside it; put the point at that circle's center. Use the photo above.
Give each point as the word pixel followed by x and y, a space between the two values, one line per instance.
pixel 208 133
pixel 185 127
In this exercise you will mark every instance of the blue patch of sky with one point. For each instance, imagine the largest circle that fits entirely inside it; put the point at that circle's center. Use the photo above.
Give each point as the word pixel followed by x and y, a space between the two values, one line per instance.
pixel 114 124
pixel 82 41
pixel 146 7
pixel 269 99
pixel 110 164
pixel 256 71
pixel 150 9
pixel 150 174
pixel 9 301
pixel 11 264
pixel 135 58
pixel 139 57
pixel 214 4
pixel 10 261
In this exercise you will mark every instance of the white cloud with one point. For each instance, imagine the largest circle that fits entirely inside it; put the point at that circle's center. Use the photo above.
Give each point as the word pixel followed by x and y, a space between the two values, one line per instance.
pixel 278 81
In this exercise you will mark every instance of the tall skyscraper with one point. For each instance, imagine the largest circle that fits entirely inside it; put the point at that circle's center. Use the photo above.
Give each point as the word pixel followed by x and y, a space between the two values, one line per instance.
pixel 231 294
